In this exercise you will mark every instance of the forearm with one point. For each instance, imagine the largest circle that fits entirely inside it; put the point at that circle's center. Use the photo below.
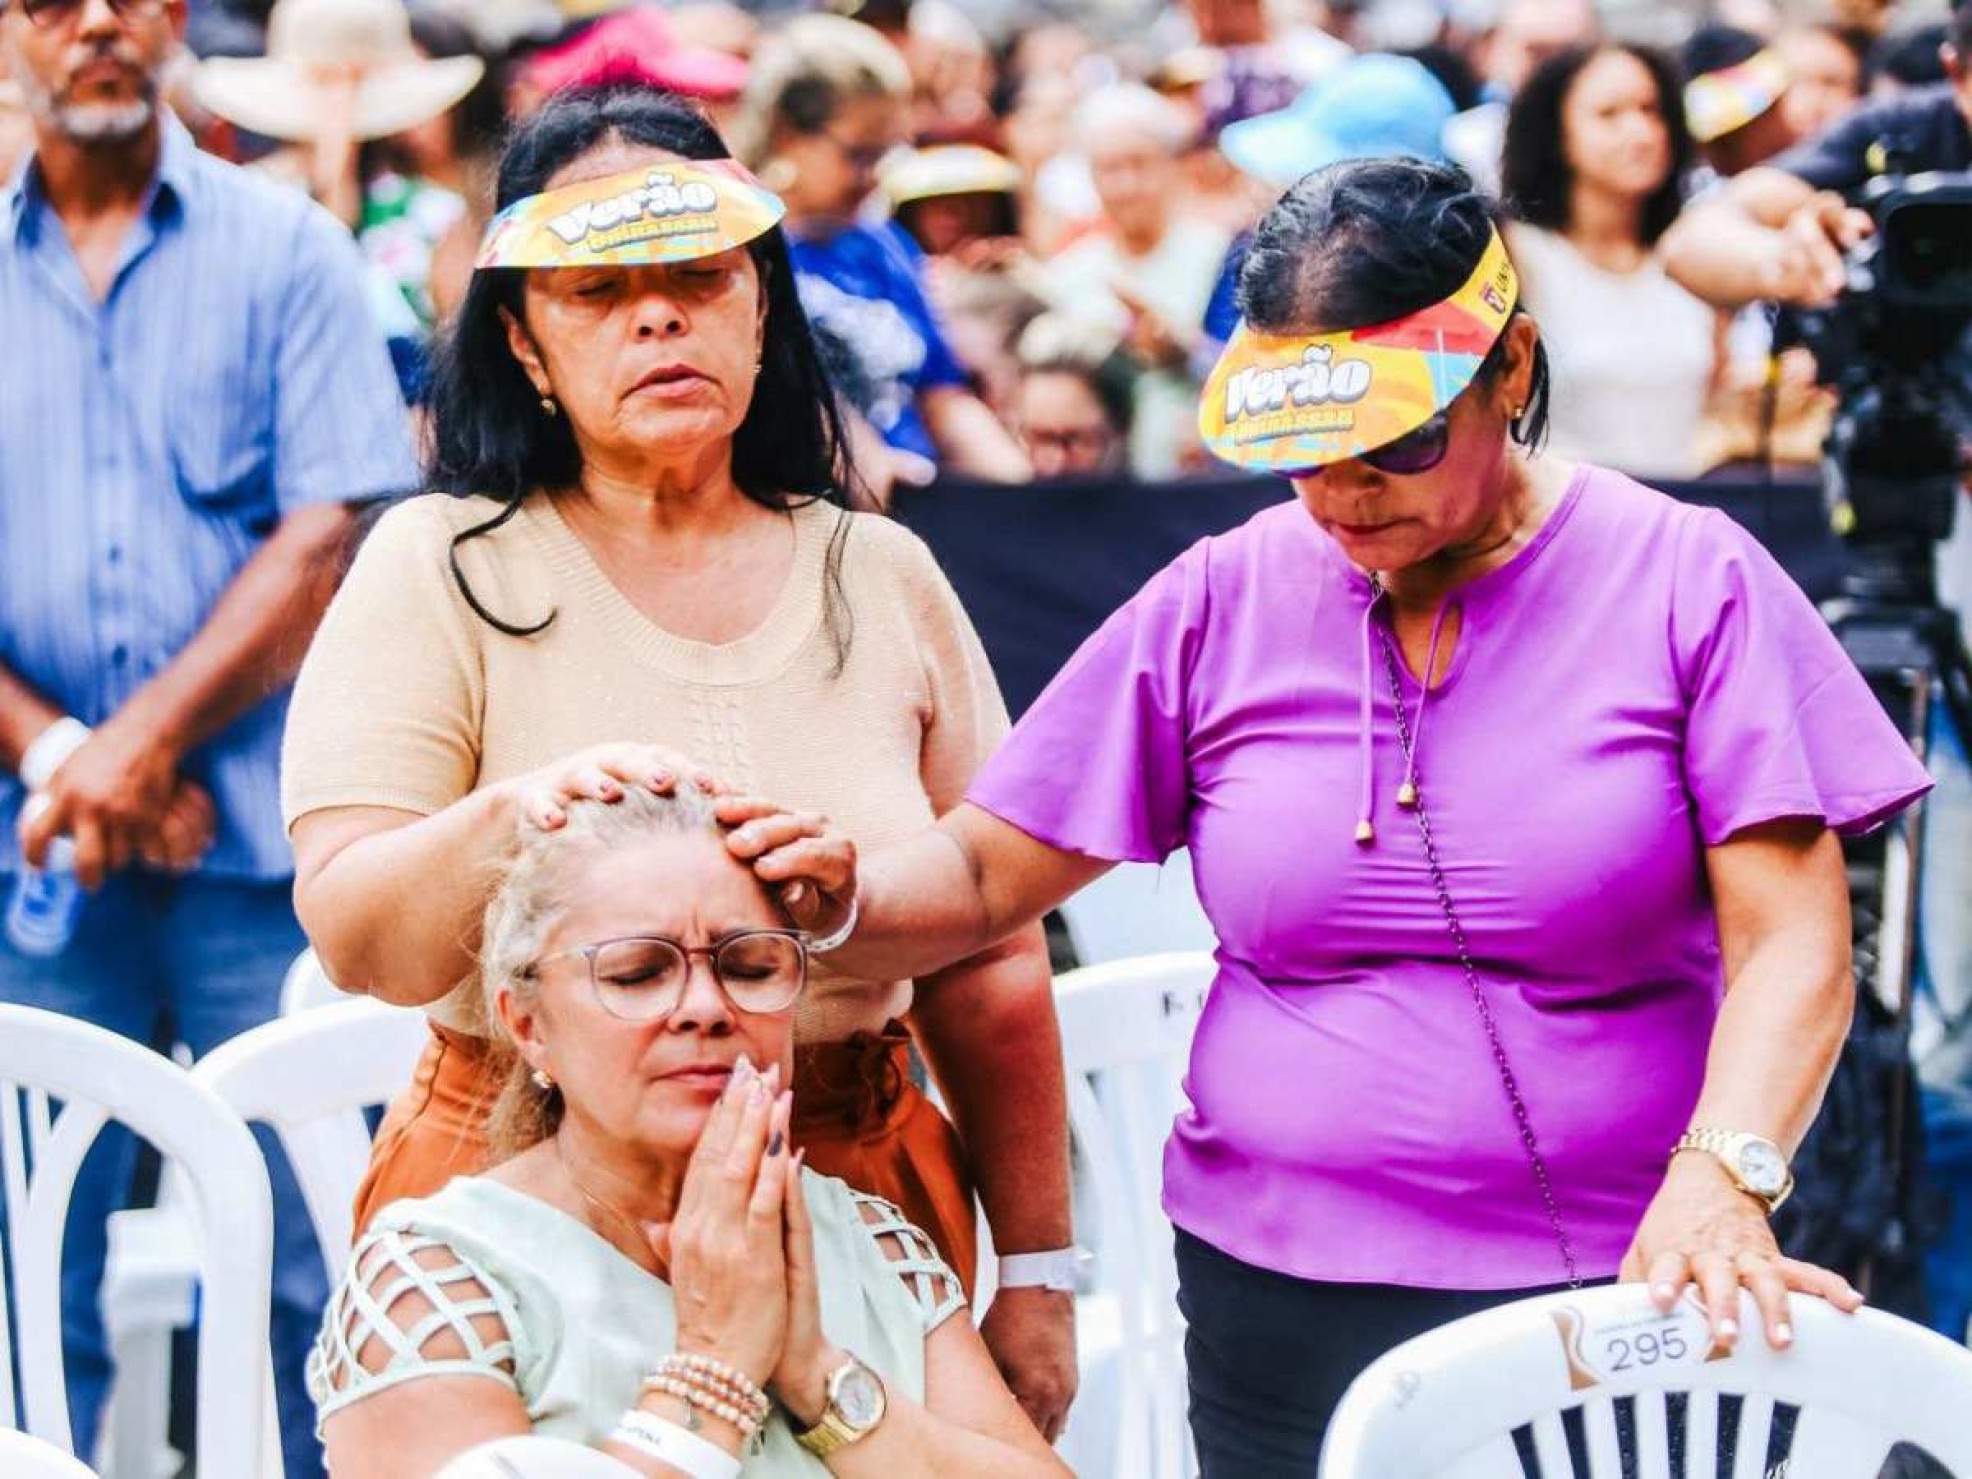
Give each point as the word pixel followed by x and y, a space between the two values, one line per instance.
pixel 23 715
pixel 395 912
pixel 921 908
pixel 1783 1022
pixel 970 437
pixel 252 644
pixel 987 1026
pixel 954 890
pixel 1724 249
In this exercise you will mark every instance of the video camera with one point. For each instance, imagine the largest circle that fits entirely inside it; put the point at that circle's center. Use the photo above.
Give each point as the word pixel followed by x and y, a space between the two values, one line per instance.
pixel 1894 347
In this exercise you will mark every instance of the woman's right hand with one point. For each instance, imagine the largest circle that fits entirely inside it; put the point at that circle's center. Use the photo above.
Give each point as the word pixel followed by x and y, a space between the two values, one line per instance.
pixel 803 859
pixel 725 1249
pixel 601 773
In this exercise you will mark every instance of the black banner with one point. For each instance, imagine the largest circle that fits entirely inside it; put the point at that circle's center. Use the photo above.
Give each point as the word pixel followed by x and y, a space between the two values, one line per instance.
pixel 1039 566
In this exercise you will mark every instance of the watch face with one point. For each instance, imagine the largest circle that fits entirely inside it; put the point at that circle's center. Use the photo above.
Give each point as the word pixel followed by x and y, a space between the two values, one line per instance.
pixel 1761 1167
pixel 859 1397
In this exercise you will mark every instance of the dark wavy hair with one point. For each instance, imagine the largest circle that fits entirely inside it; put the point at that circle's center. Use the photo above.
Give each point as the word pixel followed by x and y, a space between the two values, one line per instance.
pixel 1535 176
pixel 1371 240
pixel 489 435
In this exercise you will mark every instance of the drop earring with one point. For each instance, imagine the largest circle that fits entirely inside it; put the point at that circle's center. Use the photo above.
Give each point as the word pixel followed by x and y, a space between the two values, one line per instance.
pixel 549 408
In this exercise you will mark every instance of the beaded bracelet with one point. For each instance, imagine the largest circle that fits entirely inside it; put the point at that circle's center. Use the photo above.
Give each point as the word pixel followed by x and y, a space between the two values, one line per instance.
pixel 704 1400
pixel 673 1445
pixel 718 1380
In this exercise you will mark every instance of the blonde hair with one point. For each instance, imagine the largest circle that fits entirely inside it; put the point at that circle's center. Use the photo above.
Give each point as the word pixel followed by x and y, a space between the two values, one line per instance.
pixel 804 73
pixel 531 894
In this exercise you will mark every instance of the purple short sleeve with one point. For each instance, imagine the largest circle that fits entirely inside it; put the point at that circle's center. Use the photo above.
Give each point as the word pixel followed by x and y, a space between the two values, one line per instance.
pixel 1097 765
pixel 1780 722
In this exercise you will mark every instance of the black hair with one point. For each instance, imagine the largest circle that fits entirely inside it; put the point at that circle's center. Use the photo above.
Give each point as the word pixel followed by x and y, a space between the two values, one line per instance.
pixel 489 434
pixel 1371 240
pixel 1535 176
pixel 1112 380
pixel 1714 48
pixel 1960 34
pixel 1453 70
pixel 1913 58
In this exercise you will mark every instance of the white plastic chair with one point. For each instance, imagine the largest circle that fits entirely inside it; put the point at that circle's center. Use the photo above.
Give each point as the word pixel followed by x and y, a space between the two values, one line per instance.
pixel 1139 909
pixel 1126 1031
pixel 310 1077
pixel 307 985
pixel 23 1457
pixel 98 1077
pixel 1597 1385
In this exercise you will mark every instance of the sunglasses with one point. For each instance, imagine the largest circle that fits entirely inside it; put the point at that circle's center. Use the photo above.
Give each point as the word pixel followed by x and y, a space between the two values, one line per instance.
pixel 53 13
pixel 1415 451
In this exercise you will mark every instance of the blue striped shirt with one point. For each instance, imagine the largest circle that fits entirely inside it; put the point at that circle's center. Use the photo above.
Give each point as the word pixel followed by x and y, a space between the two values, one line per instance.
pixel 150 442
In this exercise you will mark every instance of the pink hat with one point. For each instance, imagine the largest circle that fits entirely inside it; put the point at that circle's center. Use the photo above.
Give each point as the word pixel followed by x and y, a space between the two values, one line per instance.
pixel 637 43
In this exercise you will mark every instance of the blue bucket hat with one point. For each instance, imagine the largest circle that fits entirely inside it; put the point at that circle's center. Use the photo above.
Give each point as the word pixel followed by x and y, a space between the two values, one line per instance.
pixel 1371 107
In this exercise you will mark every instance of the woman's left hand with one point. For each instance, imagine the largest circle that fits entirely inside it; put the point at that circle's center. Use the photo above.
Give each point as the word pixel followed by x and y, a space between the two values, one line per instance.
pixel 1701 1229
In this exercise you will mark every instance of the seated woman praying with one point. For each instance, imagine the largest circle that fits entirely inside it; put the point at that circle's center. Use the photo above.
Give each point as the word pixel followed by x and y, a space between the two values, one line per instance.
pixel 647 1269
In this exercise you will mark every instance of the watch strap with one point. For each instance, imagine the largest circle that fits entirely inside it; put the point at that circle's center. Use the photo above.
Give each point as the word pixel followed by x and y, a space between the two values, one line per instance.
pixel 1723 1146
pixel 834 1431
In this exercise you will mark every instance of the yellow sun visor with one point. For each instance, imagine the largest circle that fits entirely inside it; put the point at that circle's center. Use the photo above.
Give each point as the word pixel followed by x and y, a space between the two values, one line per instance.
pixel 673 212
pixel 1277 403
pixel 1721 102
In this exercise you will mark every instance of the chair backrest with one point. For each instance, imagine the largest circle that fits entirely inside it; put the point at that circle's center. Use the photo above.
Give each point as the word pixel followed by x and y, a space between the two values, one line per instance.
pixel 1126 1031
pixel 1596 1384
pixel 97 1077
pixel 307 985
pixel 26 1457
pixel 1138 909
pixel 310 1077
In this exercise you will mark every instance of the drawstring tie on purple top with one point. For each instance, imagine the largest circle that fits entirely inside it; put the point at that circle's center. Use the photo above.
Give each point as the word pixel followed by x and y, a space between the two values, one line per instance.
pixel 1366 732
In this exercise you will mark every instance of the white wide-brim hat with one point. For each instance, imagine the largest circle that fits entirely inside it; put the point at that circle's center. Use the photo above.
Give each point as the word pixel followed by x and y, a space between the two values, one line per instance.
pixel 279 95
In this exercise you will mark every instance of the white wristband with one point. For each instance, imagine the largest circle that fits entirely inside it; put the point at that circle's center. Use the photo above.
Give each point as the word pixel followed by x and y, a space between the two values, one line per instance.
pixel 669 1443
pixel 840 937
pixel 1063 1270
pixel 49 751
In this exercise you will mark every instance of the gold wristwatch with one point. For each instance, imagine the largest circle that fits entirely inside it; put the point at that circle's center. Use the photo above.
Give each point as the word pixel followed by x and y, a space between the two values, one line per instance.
pixel 1755 1164
pixel 856 1404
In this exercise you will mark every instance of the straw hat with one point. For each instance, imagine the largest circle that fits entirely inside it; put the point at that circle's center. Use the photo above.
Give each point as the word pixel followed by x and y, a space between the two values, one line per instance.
pixel 280 94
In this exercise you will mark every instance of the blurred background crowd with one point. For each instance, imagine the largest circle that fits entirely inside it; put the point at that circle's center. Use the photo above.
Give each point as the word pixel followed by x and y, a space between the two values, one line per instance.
pixel 1018 225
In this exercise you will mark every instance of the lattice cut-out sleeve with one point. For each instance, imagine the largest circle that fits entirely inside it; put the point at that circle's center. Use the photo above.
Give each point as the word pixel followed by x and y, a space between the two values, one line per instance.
pixel 410 1306
pixel 914 1257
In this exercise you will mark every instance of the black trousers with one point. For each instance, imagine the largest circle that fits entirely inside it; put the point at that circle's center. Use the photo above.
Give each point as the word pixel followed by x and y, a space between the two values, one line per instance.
pixel 1269 1355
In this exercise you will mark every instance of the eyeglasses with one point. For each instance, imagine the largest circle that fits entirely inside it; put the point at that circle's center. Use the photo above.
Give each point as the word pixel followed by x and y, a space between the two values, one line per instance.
pixel 642 978
pixel 53 13
pixel 1415 451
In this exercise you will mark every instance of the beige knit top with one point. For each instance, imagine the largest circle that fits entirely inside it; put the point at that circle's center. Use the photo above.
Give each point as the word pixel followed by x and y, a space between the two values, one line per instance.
pixel 409 700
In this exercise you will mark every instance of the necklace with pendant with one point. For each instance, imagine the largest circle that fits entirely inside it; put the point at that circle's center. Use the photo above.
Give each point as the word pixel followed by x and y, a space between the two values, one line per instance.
pixel 646 1256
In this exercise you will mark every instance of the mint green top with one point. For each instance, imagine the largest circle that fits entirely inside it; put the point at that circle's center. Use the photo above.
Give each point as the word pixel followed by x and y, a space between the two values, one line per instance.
pixel 539 1302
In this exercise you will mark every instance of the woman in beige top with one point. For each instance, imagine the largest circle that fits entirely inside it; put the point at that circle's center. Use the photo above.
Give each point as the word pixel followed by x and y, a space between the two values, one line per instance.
pixel 653 553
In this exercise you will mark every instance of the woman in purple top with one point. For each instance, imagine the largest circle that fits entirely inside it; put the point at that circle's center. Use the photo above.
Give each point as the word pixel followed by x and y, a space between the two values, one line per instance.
pixel 1624 778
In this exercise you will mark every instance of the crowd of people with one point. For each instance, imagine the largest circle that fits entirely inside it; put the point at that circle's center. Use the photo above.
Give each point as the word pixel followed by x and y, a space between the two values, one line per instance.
pixel 1018 242
pixel 444 459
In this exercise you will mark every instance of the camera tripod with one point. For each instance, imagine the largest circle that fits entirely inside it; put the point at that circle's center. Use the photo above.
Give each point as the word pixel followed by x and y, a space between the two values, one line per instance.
pixel 1910 650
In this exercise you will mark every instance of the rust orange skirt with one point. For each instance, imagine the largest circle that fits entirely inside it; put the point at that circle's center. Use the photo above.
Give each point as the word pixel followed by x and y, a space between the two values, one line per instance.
pixel 856 1112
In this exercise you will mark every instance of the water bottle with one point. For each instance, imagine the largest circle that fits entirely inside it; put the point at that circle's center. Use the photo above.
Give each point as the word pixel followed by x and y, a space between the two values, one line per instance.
pixel 46 902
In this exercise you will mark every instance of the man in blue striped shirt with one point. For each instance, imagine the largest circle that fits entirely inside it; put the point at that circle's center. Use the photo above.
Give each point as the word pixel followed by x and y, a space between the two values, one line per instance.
pixel 192 401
